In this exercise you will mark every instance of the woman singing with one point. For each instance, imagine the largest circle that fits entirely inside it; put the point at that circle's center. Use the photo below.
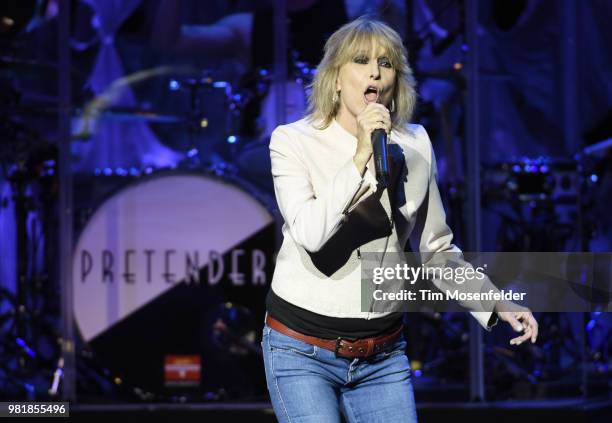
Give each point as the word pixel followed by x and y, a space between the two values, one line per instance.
pixel 323 354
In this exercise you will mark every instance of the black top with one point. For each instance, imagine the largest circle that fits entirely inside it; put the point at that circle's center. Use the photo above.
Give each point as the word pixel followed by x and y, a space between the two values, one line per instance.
pixel 308 31
pixel 314 324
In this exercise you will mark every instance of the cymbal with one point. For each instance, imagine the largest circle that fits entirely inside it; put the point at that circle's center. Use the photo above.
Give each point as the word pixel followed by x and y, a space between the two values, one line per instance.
pixel 597 147
pixel 137 114
pixel 128 114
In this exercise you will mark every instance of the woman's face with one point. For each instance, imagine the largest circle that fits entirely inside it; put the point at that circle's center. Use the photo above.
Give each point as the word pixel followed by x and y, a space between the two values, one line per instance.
pixel 367 77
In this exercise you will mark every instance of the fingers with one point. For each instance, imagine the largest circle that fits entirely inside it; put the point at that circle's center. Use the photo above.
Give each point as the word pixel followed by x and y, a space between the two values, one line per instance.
pixel 534 325
pixel 520 339
pixel 531 328
pixel 513 321
pixel 520 321
pixel 376 107
pixel 375 116
pixel 531 323
pixel 376 123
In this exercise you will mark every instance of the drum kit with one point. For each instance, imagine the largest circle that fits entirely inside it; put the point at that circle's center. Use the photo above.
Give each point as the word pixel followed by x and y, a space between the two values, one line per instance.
pixel 171 265
pixel 550 204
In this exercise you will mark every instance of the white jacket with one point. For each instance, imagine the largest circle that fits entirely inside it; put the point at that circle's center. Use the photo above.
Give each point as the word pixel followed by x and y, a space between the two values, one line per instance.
pixel 316 183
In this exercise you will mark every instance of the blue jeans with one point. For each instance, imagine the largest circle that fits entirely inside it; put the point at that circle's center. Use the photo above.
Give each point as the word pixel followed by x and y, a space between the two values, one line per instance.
pixel 310 384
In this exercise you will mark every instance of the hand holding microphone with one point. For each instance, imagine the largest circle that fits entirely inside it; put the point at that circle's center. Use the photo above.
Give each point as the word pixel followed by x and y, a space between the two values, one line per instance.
pixel 373 125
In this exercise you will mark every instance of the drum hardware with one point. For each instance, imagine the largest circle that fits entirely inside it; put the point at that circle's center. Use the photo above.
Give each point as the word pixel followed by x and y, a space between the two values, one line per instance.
pixel 258 102
pixel 57 376
pixel 537 200
pixel 535 196
pixel 440 346
pixel 139 114
pixel 29 337
pixel 210 109
pixel 104 377
pixel 28 317
pixel 86 126
pixel 100 106
pixel 553 196
pixel 234 330
pixel 549 207
pixel 558 356
pixel 539 179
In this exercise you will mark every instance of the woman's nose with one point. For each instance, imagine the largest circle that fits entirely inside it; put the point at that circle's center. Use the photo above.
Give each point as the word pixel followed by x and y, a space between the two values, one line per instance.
pixel 374 71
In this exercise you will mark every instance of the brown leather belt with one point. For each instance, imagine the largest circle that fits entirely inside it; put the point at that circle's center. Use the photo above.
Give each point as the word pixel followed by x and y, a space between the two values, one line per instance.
pixel 361 348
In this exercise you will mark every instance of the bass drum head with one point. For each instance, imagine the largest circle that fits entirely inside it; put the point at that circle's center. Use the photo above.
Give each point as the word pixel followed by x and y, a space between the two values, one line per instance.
pixel 170 276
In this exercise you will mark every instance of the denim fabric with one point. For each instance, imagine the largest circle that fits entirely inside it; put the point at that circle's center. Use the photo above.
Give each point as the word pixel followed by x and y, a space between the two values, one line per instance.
pixel 310 384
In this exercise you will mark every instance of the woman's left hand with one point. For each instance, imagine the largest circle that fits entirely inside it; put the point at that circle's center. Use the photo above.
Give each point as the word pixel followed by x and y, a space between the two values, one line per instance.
pixel 521 319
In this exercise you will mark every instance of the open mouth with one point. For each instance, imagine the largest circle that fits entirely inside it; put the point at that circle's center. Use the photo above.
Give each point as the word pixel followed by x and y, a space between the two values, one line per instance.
pixel 371 94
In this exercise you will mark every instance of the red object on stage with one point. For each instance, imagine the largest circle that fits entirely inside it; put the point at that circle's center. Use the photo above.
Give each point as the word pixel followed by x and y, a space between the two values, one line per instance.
pixel 182 370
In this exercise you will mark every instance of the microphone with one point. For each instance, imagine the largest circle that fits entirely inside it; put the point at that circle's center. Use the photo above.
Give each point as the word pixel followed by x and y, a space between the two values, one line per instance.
pixel 381 162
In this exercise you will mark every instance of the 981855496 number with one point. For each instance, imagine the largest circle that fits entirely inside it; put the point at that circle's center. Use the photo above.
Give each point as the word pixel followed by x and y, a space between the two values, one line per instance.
pixel 34 409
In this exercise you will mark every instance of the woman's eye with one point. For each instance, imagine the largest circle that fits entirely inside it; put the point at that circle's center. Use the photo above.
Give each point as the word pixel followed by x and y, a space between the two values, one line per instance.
pixel 361 60
pixel 384 62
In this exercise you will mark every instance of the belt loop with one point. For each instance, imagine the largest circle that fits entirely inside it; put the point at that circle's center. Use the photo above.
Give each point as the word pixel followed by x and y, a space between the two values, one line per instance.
pixel 370 349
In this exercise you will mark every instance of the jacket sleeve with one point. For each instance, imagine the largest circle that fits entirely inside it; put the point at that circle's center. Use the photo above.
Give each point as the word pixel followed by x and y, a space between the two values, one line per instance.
pixel 432 235
pixel 311 219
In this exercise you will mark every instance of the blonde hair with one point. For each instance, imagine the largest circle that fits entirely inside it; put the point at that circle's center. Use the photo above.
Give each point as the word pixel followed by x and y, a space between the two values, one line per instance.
pixel 340 48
